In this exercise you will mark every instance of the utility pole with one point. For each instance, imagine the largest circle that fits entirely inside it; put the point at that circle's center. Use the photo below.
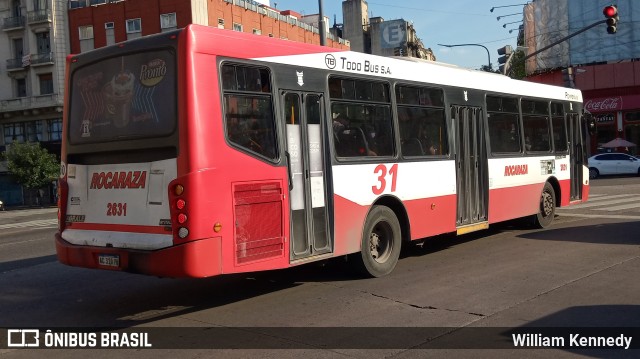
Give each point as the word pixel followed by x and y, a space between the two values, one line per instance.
pixel 323 31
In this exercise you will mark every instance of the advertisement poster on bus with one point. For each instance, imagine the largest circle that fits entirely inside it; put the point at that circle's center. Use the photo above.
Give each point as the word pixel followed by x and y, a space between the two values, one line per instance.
pixel 123 97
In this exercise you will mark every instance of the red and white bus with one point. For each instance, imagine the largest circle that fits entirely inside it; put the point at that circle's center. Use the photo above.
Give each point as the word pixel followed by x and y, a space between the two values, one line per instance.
pixel 203 152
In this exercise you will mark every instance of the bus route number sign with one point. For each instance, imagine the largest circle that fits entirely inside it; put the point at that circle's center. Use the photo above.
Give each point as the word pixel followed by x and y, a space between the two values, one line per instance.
pixel 385 174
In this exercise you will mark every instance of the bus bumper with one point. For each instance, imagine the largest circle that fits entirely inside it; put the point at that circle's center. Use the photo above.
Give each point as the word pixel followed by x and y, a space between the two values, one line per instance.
pixel 201 258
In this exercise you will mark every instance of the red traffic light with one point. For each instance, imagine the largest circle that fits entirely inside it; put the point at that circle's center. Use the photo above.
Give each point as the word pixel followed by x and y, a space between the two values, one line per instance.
pixel 610 11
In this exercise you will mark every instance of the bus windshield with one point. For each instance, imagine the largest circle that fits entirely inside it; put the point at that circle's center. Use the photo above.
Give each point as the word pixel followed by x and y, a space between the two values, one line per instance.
pixel 124 97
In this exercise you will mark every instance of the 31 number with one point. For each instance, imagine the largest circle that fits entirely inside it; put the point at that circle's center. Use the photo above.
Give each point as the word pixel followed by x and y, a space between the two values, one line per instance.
pixel 382 172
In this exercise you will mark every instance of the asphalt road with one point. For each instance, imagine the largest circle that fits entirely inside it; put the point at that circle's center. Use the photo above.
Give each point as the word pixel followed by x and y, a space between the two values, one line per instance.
pixel 580 273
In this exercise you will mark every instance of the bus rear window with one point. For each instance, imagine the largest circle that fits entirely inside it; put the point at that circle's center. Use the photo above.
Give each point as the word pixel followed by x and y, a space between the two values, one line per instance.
pixel 124 97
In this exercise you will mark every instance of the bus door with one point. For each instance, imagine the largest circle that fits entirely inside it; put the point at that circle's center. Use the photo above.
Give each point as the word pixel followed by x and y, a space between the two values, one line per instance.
pixel 576 155
pixel 307 186
pixel 472 186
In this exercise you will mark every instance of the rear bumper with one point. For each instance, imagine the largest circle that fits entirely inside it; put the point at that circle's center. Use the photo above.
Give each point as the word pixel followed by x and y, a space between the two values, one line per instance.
pixel 201 258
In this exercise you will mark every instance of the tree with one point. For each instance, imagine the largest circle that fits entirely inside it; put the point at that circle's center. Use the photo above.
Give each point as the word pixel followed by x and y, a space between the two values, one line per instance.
pixel 31 165
pixel 517 70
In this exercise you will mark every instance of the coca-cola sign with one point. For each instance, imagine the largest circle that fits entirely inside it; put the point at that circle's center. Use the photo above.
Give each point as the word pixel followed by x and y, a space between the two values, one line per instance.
pixel 604 104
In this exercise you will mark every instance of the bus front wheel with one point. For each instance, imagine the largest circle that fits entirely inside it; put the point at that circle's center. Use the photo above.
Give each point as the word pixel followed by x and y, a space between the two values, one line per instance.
pixel 381 242
pixel 547 210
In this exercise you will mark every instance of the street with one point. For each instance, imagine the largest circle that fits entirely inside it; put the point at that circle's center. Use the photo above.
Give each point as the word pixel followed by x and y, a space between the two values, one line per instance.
pixel 582 272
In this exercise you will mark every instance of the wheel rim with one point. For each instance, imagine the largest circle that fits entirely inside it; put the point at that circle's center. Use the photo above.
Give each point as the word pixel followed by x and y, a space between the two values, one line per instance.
pixel 381 242
pixel 546 204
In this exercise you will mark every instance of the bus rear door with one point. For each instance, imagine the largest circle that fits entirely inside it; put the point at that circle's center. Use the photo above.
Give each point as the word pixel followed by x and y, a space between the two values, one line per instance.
pixel 471 168
pixel 303 113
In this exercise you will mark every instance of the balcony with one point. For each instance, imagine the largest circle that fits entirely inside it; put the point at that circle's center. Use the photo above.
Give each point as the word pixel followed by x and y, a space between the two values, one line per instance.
pixel 13 23
pixel 16 64
pixel 42 59
pixel 32 103
pixel 39 16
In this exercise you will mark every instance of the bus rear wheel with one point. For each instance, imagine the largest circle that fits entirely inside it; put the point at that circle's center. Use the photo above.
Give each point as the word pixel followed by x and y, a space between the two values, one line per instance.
pixel 381 242
pixel 547 211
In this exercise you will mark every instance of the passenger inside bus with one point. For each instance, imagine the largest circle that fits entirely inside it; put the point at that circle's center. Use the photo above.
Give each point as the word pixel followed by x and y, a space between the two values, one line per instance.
pixel 350 141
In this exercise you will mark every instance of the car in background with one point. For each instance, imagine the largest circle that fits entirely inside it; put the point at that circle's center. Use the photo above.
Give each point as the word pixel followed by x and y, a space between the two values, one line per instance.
pixel 613 164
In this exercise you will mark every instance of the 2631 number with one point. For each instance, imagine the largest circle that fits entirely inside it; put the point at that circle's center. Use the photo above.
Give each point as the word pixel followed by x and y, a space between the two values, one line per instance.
pixel 116 209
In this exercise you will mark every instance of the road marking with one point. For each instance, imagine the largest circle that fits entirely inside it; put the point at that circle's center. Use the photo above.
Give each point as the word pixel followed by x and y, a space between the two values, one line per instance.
pixel 618 208
pixel 38 223
pixel 605 197
pixel 608 216
pixel 605 203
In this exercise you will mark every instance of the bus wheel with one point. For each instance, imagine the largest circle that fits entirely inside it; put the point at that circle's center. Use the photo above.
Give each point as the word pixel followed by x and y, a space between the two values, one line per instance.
pixel 381 241
pixel 547 211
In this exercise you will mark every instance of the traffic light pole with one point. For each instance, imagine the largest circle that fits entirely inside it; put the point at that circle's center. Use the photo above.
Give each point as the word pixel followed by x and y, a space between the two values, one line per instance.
pixel 566 38
pixel 488 55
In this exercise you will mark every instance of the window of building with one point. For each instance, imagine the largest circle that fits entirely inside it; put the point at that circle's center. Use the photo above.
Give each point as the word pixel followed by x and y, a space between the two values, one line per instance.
pixel 46 84
pixel 422 121
pixel 237 27
pixel 168 21
pixel 504 125
pixel 21 87
pixel 54 129
pixel 86 38
pixel 109 25
pixel 134 28
pixel 13 132
pixel 362 123
pixel 220 23
pixel 109 31
pixel 34 131
pixel 18 51
pixel 257 32
pixel 43 42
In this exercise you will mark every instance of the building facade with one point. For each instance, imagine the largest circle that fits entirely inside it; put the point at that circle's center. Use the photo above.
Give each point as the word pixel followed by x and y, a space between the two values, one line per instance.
pixel 379 37
pixel 37 35
pixel 34 41
pixel 97 23
pixel 606 67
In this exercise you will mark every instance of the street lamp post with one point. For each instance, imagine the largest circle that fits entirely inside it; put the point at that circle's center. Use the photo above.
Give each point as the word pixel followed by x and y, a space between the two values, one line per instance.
pixel 514 14
pixel 509 23
pixel 495 7
pixel 488 54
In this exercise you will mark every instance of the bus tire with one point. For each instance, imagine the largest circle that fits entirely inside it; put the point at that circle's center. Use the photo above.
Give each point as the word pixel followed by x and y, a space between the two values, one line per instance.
pixel 381 242
pixel 547 210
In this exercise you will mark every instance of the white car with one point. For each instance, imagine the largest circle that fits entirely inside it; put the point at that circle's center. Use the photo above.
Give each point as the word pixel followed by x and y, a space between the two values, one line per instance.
pixel 613 164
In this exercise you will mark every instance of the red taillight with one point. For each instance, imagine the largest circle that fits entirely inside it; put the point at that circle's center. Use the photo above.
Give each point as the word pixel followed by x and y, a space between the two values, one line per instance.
pixel 182 218
pixel 180 204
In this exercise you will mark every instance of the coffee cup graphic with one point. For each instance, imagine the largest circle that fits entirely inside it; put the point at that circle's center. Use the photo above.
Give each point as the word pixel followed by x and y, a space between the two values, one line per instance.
pixel 118 94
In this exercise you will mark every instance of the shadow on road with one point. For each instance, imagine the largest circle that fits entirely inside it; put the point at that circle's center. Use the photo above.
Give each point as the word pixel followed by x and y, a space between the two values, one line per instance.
pixel 605 233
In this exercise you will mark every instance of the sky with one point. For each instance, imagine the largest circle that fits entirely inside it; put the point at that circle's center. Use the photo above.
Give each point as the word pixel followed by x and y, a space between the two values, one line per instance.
pixel 440 22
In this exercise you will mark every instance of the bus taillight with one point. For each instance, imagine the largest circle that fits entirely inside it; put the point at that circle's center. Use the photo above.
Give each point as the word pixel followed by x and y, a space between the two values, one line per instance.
pixel 180 204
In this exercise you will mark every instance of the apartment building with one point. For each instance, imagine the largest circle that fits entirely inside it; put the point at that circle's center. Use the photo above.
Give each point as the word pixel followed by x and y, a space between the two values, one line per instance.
pixel 34 43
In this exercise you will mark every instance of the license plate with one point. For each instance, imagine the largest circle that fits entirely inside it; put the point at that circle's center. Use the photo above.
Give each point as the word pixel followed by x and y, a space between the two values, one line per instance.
pixel 109 260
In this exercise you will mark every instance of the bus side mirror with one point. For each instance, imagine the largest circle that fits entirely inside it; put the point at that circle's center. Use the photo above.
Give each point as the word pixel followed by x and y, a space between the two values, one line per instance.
pixel 591 124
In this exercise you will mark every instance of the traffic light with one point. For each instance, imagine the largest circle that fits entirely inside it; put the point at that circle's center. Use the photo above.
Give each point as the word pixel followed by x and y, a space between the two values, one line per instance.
pixel 611 13
pixel 503 60
pixel 567 77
